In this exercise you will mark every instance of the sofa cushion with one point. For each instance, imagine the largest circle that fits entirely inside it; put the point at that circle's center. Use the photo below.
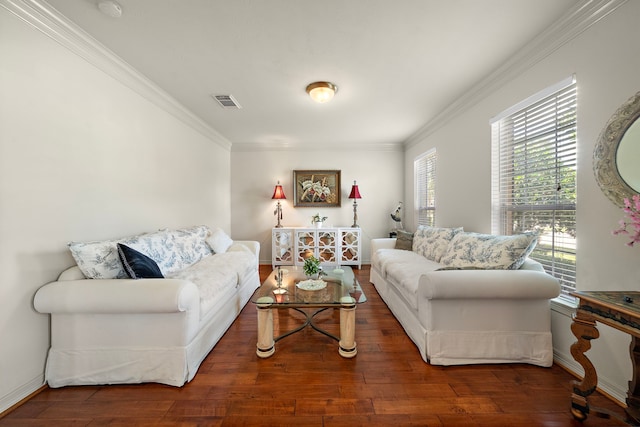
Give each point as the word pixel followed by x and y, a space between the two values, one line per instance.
pixel 383 258
pixel 172 250
pixel 137 265
pixel 239 247
pixel 214 274
pixel 432 242
pixel 404 240
pixel 403 269
pixel 219 241
pixel 486 251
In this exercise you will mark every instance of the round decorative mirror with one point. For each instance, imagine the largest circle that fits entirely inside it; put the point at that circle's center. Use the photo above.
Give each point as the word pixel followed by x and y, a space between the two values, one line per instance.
pixel 616 158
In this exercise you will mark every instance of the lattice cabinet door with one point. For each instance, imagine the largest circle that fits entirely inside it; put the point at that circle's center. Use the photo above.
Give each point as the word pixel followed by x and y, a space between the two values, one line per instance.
pixel 327 248
pixel 350 246
pixel 282 246
pixel 305 244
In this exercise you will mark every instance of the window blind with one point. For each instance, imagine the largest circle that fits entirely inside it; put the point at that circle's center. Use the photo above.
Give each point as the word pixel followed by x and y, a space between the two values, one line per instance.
pixel 534 160
pixel 425 185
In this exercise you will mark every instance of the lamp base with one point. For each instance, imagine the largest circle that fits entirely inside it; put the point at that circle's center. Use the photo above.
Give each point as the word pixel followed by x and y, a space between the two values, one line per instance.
pixel 355 215
pixel 278 213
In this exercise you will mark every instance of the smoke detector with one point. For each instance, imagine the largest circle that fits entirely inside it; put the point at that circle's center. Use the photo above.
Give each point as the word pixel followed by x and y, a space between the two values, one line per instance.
pixel 110 8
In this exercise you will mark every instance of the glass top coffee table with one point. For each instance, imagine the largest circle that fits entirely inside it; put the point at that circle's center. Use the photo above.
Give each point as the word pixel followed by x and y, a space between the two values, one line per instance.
pixel 288 287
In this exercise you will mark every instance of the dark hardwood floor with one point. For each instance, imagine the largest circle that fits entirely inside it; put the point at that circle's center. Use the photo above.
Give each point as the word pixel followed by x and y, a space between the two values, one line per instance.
pixel 306 383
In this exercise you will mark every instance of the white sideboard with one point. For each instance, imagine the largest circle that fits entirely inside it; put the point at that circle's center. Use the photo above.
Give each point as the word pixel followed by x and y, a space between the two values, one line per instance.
pixel 332 246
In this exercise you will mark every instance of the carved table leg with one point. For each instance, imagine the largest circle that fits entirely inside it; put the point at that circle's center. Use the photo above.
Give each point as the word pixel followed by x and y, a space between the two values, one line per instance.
pixel 584 329
pixel 633 395
pixel 347 344
pixel 266 345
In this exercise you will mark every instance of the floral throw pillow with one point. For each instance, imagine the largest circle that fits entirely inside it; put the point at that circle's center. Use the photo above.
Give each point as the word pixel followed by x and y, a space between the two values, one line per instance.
pixel 172 250
pixel 188 246
pixel 99 259
pixel 432 242
pixel 486 251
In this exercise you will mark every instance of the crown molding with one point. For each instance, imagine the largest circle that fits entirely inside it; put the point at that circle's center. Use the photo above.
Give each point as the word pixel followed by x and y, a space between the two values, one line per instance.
pixel 256 146
pixel 49 21
pixel 578 19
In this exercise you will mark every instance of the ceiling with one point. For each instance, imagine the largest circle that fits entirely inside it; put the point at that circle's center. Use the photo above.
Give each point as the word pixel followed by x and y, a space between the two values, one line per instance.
pixel 397 63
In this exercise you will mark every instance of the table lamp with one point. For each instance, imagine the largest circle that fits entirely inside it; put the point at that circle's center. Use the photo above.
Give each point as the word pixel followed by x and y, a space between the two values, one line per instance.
pixel 355 194
pixel 278 194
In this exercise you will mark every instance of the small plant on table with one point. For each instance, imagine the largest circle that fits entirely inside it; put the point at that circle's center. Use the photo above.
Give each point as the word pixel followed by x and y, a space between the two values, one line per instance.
pixel 318 218
pixel 311 266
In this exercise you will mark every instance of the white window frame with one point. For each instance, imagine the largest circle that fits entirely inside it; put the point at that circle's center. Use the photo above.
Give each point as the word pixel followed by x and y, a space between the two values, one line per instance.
pixel 424 172
pixel 532 142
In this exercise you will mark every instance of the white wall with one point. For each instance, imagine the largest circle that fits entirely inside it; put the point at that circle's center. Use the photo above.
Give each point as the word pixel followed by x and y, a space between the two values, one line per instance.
pixel 255 173
pixel 606 60
pixel 82 157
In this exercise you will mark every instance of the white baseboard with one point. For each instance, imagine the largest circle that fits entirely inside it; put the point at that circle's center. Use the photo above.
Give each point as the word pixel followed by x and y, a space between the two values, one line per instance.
pixel 15 396
pixel 567 361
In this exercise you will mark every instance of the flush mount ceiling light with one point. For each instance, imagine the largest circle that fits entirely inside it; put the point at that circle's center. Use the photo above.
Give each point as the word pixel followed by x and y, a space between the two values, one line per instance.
pixel 322 91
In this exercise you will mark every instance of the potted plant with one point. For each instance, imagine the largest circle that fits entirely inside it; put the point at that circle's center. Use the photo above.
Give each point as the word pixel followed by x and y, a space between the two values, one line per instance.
pixel 317 220
pixel 311 267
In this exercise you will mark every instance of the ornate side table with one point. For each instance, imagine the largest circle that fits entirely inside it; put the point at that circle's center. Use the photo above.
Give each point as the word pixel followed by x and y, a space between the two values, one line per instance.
pixel 620 310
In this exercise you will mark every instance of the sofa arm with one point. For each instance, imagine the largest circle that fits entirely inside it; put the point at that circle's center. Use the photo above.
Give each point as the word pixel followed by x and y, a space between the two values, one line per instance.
pixel 72 273
pixel 382 243
pixel 118 296
pixel 488 284
pixel 253 246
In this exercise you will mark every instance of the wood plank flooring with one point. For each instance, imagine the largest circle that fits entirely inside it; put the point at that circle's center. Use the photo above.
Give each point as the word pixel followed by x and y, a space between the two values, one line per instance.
pixel 306 383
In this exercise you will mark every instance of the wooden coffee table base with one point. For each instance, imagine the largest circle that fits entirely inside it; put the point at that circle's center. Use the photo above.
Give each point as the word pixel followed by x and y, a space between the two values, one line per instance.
pixel 346 342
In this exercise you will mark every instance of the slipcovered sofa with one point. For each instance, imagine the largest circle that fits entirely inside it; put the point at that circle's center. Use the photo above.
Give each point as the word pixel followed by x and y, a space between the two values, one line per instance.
pixel 467 298
pixel 146 308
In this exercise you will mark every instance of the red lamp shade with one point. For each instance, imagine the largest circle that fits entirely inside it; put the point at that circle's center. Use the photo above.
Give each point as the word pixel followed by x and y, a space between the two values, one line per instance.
pixel 355 193
pixel 278 192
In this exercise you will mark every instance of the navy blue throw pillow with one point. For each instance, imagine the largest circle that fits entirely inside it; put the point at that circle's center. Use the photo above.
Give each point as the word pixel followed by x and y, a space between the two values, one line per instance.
pixel 138 265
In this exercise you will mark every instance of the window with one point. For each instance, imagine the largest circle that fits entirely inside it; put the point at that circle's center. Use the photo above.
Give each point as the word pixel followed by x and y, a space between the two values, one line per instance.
pixel 534 155
pixel 424 169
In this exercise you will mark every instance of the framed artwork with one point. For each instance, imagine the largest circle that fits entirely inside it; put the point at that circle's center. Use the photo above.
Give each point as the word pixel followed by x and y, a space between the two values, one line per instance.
pixel 316 188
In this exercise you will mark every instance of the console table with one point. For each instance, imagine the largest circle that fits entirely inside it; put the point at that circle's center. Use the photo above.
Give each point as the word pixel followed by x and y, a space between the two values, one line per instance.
pixel 332 246
pixel 620 310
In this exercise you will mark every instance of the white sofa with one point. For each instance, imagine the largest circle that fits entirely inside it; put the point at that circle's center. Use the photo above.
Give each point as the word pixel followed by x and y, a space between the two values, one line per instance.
pixel 112 330
pixel 466 314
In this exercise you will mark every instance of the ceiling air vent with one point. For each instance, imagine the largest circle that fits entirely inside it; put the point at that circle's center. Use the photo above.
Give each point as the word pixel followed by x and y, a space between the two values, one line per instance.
pixel 227 101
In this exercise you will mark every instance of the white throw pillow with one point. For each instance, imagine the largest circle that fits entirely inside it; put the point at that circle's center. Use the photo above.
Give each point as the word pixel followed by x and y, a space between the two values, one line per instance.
pixel 219 241
pixel 486 251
